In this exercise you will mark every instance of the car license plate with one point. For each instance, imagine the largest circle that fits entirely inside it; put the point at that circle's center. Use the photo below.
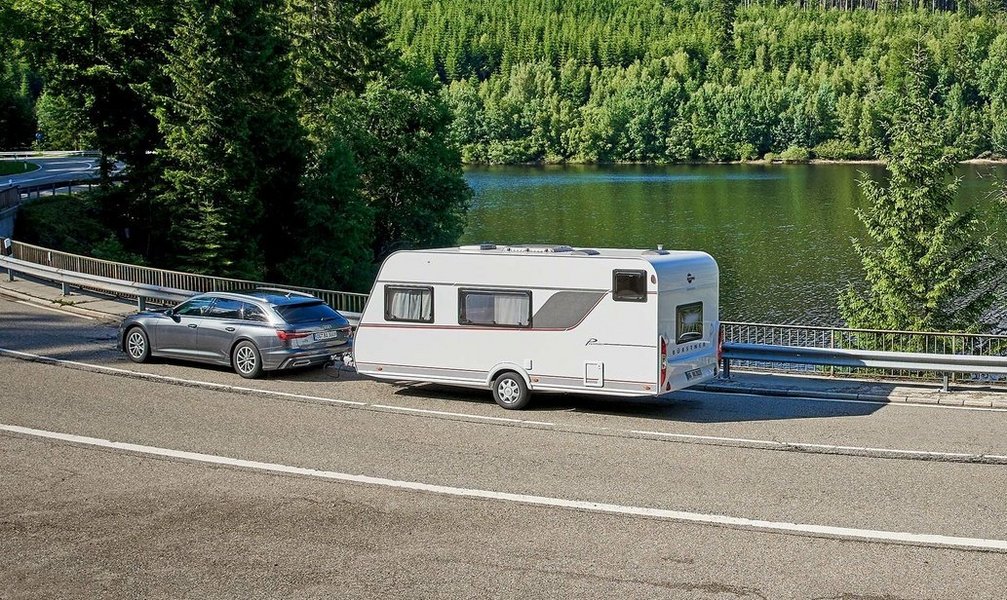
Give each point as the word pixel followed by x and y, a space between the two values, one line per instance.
pixel 326 335
pixel 690 375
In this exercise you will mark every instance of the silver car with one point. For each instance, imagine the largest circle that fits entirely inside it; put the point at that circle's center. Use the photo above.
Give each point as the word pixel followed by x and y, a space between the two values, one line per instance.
pixel 252 331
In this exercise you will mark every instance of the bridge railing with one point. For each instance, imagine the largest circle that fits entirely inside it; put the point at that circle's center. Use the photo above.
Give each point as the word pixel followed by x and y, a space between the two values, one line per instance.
pixel 143 283
pixel 761 346
pixel 846 351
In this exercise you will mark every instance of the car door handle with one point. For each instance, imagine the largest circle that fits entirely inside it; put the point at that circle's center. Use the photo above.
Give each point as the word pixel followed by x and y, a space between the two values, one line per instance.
pixel 229 329
pixel 192 325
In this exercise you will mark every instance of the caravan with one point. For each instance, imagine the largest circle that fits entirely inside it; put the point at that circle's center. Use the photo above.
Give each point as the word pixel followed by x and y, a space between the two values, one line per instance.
pixel 518 319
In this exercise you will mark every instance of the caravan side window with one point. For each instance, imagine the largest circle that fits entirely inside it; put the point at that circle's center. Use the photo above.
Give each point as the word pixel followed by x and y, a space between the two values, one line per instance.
pixel 415 304
pixel 495 308
pixel 688 322
pixel 629 286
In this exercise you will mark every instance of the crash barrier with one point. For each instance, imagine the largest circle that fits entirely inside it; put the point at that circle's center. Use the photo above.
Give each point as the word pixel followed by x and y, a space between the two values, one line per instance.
pixel 838 351
pixel 764 347
pixel 145 284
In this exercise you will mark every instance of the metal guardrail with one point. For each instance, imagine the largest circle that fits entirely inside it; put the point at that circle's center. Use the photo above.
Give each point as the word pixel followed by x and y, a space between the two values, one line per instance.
pixel 844 351
pixel 768 347
pixel 146 283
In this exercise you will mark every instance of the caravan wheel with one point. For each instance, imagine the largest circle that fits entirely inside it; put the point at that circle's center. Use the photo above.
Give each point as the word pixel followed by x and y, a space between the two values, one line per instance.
pixel 510 391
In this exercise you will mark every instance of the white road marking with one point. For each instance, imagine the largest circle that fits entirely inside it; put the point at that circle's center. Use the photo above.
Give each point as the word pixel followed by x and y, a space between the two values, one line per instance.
pixel 55 310
pixel 683 437
pixel 870 535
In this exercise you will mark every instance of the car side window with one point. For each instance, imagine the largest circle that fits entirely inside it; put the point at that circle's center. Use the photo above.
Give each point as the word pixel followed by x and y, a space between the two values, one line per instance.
pixel 251 312
pixel 225 308
pixel 197 307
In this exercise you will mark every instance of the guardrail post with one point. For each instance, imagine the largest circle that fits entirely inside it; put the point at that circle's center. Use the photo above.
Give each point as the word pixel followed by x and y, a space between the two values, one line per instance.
pixel 725 371
pixel 141 303
pixel 64 288
pixel 944 382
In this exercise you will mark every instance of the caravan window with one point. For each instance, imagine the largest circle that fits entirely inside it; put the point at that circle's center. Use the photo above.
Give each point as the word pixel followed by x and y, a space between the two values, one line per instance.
pixel 629 286
pixel 415 304
pixel 688 322
pixel 497 308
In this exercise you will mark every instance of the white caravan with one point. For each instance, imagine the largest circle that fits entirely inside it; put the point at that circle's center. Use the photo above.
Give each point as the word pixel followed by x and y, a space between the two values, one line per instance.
pixel 517 319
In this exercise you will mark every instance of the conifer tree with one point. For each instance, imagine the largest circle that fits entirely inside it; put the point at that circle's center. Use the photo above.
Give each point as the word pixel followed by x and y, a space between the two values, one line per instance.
pixel 231 137
pixel 924 265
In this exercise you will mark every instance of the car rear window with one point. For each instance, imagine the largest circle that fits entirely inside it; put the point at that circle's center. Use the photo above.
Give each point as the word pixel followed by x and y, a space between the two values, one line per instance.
pixel 306 312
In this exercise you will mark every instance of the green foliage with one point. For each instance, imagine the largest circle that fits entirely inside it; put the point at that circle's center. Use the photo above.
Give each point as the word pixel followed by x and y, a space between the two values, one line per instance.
pixel 650 80
pixel 924 266
pixel 73 224
pixel 9 167
pixel 230 133
pixel 795 154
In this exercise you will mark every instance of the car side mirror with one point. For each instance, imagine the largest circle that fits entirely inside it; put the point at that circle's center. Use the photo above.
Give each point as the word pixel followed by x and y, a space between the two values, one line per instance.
pixel 171 313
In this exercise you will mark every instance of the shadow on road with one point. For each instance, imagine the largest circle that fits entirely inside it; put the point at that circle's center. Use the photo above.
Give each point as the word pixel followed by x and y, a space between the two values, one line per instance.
pixel 684 406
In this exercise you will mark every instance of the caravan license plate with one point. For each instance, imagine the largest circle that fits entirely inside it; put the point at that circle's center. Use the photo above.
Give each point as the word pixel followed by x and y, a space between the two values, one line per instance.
pixel 326 335
pixel 690 375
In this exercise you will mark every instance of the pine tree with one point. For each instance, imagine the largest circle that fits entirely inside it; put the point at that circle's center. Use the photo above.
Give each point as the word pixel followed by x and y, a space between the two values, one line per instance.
pixel 231 137
pixel 924 268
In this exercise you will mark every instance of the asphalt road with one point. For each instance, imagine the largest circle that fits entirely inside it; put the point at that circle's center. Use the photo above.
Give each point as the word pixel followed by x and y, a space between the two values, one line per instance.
pixel 189 482
pixel 55 170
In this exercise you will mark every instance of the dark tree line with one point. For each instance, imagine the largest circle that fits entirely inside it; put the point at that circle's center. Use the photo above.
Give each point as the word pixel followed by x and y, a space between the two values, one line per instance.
pixel 276 139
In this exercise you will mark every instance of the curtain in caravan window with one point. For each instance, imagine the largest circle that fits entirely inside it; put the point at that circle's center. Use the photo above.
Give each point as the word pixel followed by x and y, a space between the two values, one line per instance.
pixel 507 309
pixel 511 309
pixel 409 304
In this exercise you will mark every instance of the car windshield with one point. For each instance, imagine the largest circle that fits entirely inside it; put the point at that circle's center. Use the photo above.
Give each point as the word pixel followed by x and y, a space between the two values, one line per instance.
pixel 305 312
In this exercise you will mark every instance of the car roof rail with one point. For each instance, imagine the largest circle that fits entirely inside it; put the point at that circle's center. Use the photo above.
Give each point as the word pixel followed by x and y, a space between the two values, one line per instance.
pixel 284 292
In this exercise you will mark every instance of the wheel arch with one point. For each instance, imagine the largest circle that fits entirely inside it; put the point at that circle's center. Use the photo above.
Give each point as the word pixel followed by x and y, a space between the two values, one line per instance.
pixel 503 367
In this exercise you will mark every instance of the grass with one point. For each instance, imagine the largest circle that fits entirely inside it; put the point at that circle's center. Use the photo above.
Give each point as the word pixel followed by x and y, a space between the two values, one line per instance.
pixel 10 167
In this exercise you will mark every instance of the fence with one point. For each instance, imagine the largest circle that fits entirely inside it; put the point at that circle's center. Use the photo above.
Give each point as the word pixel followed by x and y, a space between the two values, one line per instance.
pixel 159 278
pixel 766 347
pixel 863 350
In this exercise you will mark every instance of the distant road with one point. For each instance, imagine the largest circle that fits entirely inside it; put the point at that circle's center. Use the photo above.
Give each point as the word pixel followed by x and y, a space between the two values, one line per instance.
pixel 54 170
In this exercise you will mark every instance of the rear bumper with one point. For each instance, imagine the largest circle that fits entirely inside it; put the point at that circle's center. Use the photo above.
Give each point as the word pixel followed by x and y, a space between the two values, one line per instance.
pixel 285 358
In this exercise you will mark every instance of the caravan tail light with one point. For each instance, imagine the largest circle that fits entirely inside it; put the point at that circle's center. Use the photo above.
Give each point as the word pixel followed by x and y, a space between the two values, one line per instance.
pixel 664 362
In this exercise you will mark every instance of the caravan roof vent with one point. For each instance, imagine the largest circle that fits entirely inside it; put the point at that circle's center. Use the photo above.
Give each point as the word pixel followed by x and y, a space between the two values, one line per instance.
pixel 587 251
pixel 539 248
pixel 660 250
pixel 478 247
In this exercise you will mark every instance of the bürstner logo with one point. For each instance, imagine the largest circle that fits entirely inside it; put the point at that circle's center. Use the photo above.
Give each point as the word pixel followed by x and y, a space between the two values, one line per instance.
pixel 690 278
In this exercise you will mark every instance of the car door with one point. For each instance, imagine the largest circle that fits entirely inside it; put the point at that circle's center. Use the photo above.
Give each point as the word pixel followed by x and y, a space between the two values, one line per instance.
pixel 217 331
pixel 178 334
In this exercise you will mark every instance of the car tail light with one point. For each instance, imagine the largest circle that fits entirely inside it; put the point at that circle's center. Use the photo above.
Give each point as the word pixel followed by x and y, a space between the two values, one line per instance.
pixel 291 335
pixel 664 361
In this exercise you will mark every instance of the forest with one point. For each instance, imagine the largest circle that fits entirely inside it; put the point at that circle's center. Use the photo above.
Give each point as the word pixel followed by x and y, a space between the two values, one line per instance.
pixel 706 80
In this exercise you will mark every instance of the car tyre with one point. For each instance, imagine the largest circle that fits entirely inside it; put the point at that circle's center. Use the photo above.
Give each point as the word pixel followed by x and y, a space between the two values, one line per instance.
pixel 137 345
pixel 246 360
pixel 510 391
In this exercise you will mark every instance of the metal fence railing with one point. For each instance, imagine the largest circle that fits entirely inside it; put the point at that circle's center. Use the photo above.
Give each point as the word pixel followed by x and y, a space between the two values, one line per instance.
pixel 147 276
pixel 867 341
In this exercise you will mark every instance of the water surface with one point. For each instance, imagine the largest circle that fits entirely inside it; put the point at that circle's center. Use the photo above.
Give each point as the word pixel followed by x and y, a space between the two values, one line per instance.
pixel 780 233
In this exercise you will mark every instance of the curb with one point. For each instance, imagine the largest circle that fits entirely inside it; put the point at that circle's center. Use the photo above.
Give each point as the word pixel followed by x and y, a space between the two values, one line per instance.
pixel 70 308
pixel 939 398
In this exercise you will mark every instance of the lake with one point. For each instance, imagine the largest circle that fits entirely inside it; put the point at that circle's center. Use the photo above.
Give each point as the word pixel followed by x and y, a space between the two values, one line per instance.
pixel 780 233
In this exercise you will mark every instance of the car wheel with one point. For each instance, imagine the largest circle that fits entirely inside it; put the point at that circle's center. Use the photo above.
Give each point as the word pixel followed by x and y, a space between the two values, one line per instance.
pixel 137 345
pixel 246 360
pixel 510 391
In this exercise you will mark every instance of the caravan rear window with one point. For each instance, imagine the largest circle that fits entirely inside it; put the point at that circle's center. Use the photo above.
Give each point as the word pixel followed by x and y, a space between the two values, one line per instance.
pixel 629 286
pixel 415 304
pixel 495 308
pixel 688 322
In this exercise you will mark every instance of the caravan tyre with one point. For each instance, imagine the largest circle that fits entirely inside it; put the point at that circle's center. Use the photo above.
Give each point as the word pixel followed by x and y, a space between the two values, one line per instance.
pixel 510 391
